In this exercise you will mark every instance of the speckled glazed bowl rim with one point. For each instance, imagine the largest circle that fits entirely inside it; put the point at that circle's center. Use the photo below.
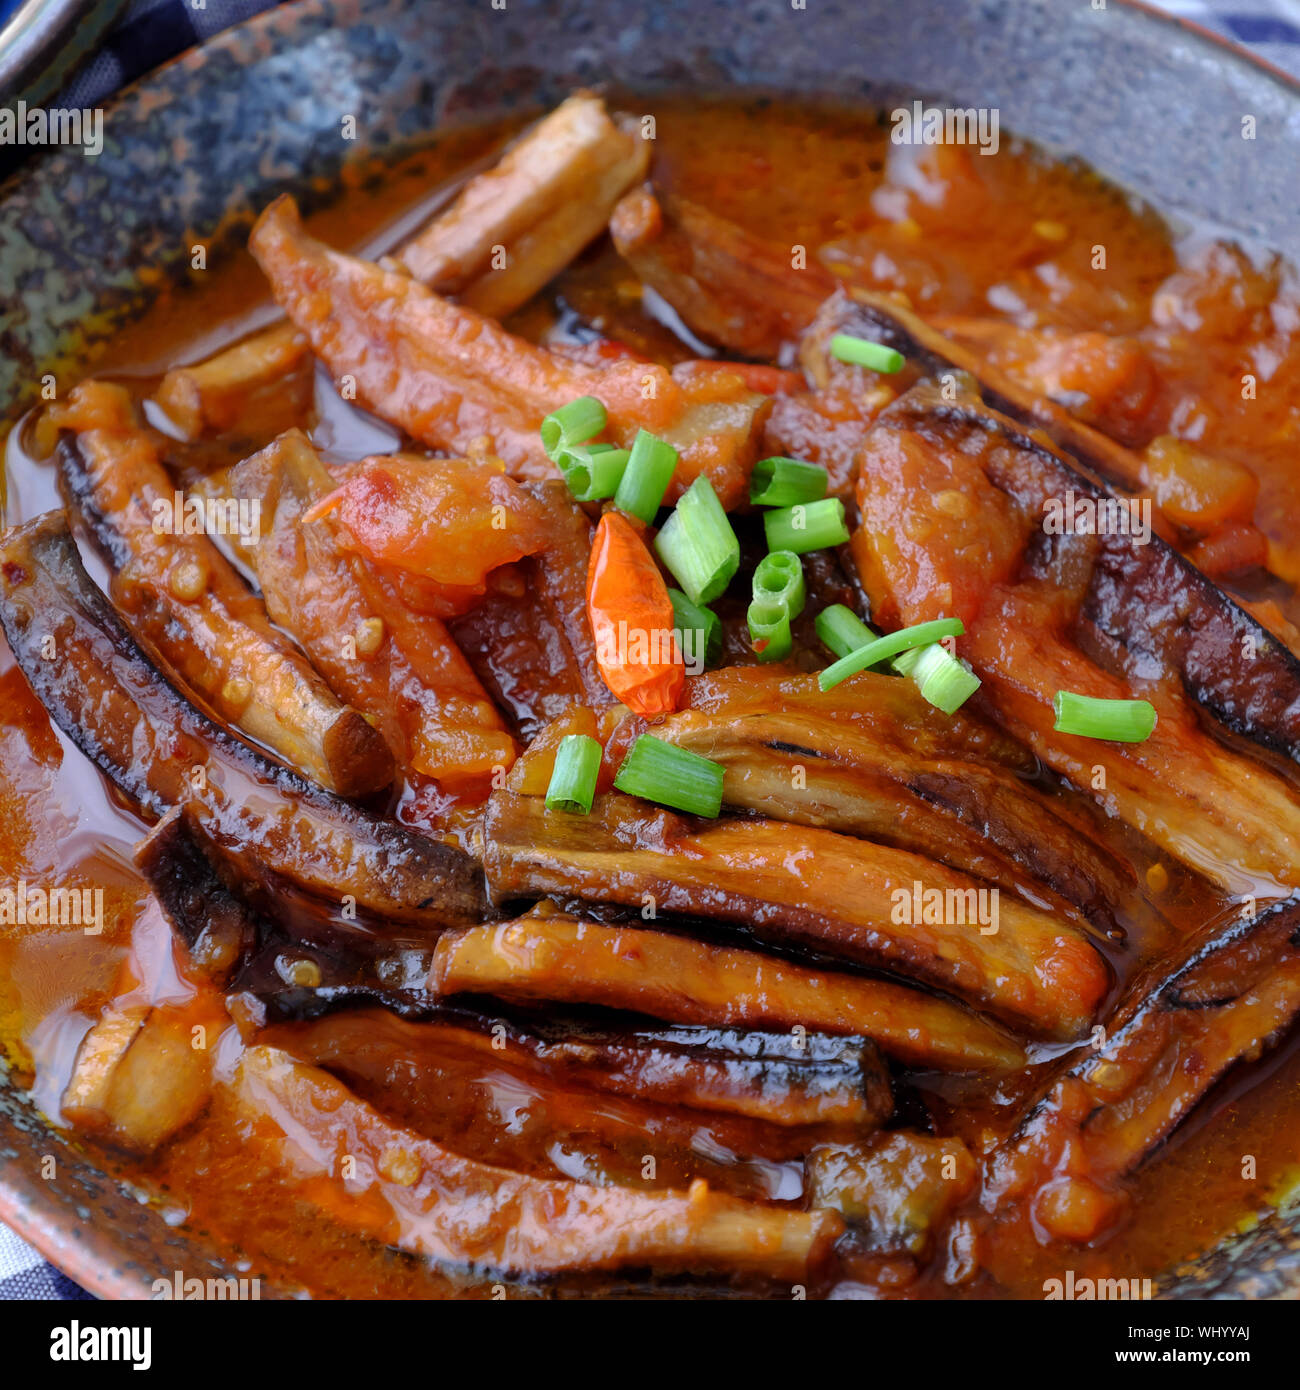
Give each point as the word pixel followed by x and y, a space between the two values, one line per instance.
pixel 102 1236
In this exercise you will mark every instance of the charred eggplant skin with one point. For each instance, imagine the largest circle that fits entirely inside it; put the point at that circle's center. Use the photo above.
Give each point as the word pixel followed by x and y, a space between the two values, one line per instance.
pixel 160 751
pixel 1257 697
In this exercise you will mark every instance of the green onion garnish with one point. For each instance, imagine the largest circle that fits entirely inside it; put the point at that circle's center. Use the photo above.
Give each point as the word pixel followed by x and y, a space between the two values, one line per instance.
pixel 769 624
pixel 842 630
pixel 921 635
pixel 649 470
pixel 778 578
pixel 672 776
pixel 781 482
pixel 1122 721
pixel 691 617
pixel 573 780
pixel 806 526
pixel 574 423
pixel 697 542
pixel 942 680
pixel 592 471
pixel 862 352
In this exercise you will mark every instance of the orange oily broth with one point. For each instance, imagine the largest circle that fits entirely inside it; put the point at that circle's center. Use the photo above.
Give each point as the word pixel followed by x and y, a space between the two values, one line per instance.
pixel 800 175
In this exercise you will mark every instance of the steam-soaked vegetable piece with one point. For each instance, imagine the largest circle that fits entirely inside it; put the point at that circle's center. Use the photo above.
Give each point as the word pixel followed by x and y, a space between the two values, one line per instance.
pixel 1236 998
pixel 727 285
pixel 401 669
pixel 551 193
pixel 183 601
pixel 453 1095
pixel 556 958
pixel 1034 603
pixel 869 758
pixel 448 376
pixel 898 1186
pixel 251 379
pixel 631 620
pixel 273 830
pixel 793 1080
pixel 420 1197
pixel 217 930
pixel 862 902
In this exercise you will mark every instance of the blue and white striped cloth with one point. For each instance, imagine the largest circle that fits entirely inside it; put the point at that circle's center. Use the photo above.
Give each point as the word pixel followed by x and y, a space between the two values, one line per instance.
pixel 151 31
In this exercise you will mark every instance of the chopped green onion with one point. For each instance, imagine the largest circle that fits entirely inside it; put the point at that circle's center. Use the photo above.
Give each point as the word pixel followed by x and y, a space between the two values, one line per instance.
pixel 573 780
pixel 649 470
pixel 574 423
pixel 942 680
pixel 769 623
pixel 779 579
pixel 690 617
pixel 884 647
pixel 806 526
pixel 842 630
pixel 672 776
pixel 862 352
pixel 697 542
pixel 592 471
pixel 1122 721
pixel 780 482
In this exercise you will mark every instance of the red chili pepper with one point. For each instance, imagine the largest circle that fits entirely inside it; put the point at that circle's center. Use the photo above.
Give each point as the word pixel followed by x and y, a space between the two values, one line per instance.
pixel 631 619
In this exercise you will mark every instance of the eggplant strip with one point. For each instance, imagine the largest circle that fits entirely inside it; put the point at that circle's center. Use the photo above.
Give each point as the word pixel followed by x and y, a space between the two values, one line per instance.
pixel 792 883
pixel 184 602
pixel 418 1196
pixel 729 287
pixel 885 765
pixel 551 194
pixel 217 929
pixel 1113 1110
pixel 558 958
pixel 455 1096
pixel 217 394
pixel 449 376
pixel 1098 614
pixel 406 675
pixel 812 1081
pixel 162 752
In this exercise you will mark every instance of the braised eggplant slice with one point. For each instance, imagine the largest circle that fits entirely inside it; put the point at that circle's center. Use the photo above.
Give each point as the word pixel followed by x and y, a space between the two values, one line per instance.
pixel 793 883
pixel 409 1192
pixel 556 957
pixel 1113 1109
pixel 728 286
pixel 449 376
pixel 808 1081
pixel 401 670
pixel 184 602
pixel 1101 614
pixel 551 194
pixel 252 377
pixel 876 760
pixel 508 1111
pixel 218 930
pixel 266 821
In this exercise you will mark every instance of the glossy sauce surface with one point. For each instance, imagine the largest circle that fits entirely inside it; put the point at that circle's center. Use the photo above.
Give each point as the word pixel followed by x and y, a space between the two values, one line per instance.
pixel 959 235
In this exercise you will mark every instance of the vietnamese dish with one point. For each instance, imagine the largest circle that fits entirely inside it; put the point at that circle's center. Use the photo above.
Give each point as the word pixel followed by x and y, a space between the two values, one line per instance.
pixel 621 713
